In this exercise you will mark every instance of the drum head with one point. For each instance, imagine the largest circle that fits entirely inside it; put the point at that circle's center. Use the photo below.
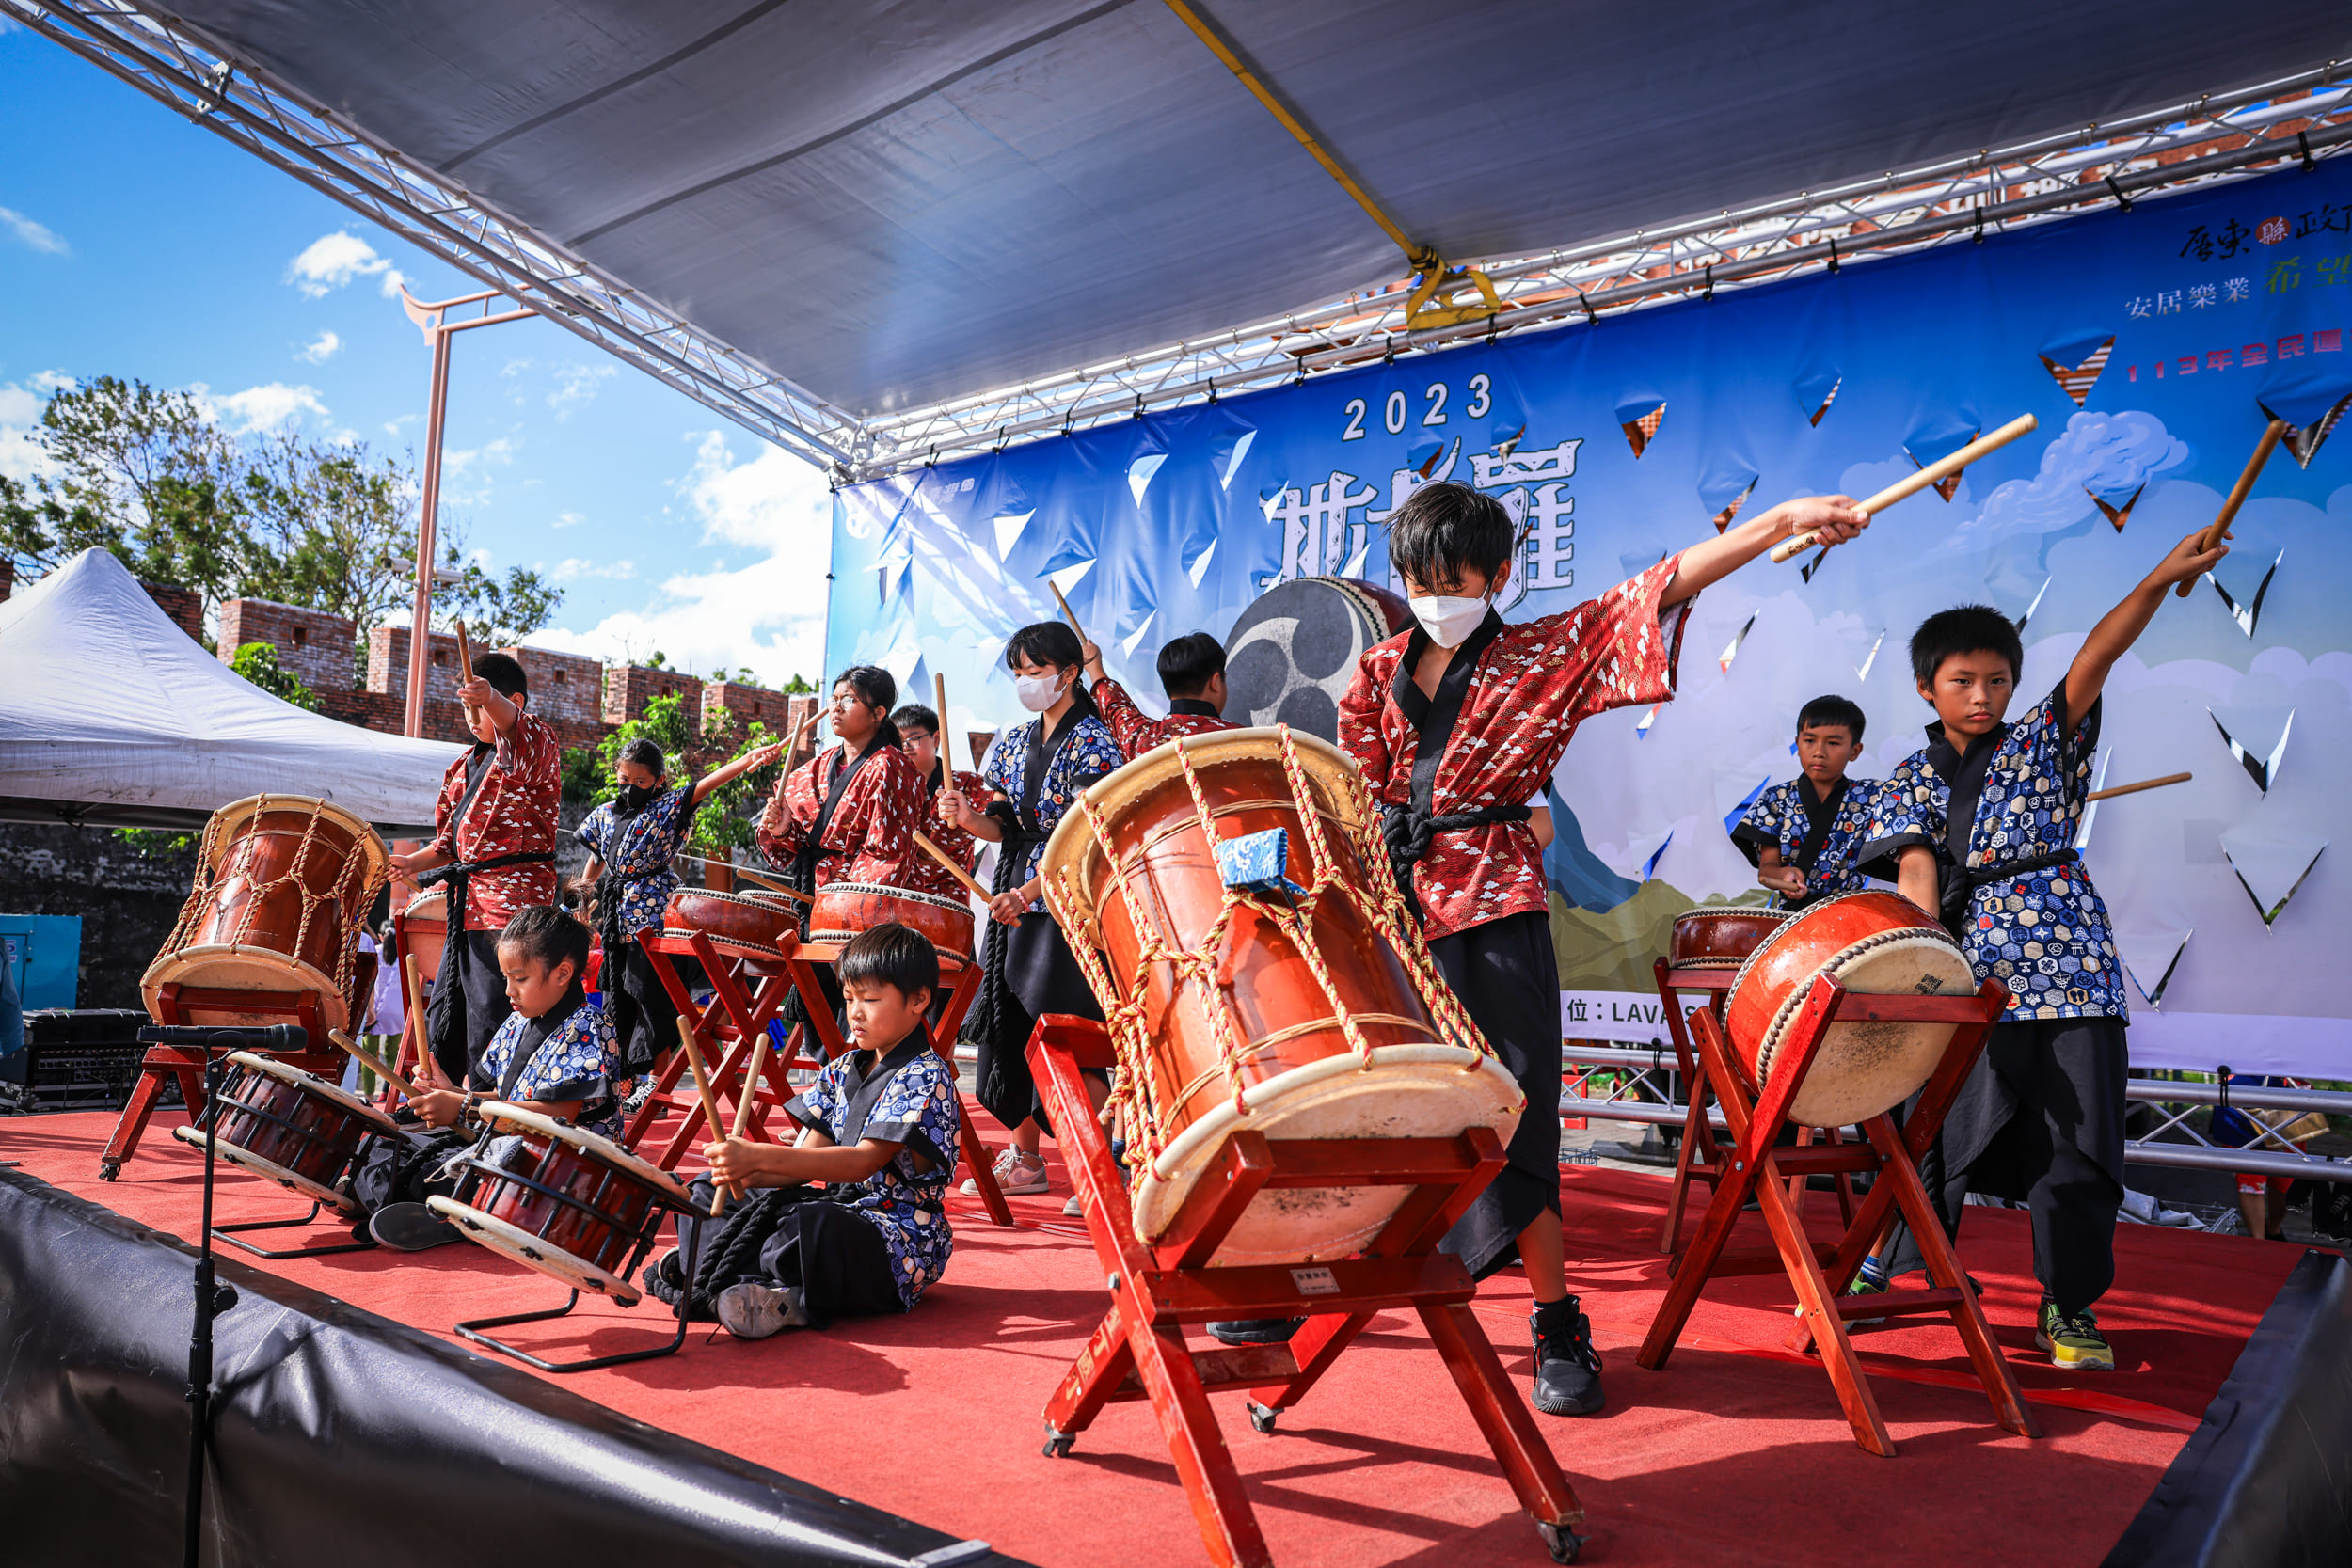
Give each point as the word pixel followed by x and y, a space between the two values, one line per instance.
pixel 370 844
pixel 1863 1069
pixel 1410 1091
pixel 310 1083
pixel 1290 656
pixel 1330 775
pixel 427 906
pixel 231 966
pixel 665 1188
pixel 301 1186
pixel 530 1251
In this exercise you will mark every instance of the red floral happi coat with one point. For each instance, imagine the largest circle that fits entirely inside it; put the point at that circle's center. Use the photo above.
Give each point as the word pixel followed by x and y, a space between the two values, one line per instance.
pixel 1532 685
pixel 1137 732
pixel 869 838
pixel 515 814
pixel 926 875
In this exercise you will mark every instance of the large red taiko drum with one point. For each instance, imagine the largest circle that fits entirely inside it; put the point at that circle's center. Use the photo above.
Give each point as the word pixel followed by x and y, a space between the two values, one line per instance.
pixel 1876 943
pixel 1250 1036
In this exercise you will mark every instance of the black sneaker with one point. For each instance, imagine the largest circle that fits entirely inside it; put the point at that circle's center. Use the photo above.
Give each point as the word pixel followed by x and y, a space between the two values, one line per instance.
pixel 411 1227
pixel 1256 1331
pixel 1567 1368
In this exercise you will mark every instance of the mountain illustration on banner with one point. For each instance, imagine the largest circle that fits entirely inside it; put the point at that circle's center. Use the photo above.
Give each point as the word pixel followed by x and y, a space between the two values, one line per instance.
pixel 2076 378
pixel 2256 735
pixel 2271 864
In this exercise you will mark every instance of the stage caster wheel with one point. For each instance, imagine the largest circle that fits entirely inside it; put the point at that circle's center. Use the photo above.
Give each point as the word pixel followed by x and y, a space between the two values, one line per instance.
pixel 1262 1418
pixel 1560 1542
pixel 1058 1444
pixel 109 1170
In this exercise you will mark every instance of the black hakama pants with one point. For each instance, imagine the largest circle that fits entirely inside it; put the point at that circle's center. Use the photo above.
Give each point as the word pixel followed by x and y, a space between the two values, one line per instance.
pixel 1507 975
pixel 1040 976
pixel 793 1236
pixel 2040 1121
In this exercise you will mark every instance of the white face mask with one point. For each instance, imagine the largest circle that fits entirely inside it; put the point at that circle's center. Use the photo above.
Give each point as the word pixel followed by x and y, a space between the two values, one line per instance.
pixel 1037 692
pixel 1448 620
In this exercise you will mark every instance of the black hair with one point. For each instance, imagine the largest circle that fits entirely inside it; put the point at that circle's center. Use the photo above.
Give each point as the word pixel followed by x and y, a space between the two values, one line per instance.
pixel 1443 529
pixel 896 955
pixel 1971 628
pixel 917 715
pixel 876 687
pixel 504 672
pixel 1833 710
pixel 549 935
pixel 1189 663
pixel 645 754
pixel 1053 643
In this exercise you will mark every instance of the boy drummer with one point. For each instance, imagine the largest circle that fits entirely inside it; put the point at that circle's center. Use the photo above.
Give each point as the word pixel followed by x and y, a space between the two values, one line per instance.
pixel 1453 724
pixel 1192 673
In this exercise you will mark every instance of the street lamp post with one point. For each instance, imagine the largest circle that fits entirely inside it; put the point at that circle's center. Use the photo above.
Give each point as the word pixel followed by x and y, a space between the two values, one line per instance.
pixel 434 321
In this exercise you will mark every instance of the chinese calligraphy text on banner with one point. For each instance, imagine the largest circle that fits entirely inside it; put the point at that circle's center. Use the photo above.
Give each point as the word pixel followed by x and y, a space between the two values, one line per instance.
pixel 2149 343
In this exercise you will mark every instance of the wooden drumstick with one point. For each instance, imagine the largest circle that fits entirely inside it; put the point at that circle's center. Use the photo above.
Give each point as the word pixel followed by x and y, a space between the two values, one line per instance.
pixel 710 1105
pixel 2136 788
pixel 465 665
pixel 939 705
pixel 1943 468
pixel 1066 614
pixel 959 873
pixel 373 1063
pixel 426 1061
pixel 2218 528
pixel 773 885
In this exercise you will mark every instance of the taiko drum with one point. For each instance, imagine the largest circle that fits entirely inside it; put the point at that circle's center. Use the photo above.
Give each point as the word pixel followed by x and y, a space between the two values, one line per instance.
pixel 574 1205
pixel 425 931
pixel 746 926
pixel 1875 942
pixel 284 886
pixel 1297 1075
pixel 845 909
pixel 1721 936
pixel 286 1126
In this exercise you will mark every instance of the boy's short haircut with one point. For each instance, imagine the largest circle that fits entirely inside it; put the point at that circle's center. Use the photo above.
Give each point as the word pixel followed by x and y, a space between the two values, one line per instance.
pixel 647 755
pixel 895 955
pixel 1047 642
pixel 1189 663
pixel 1971 628
pixel 549 935
pixel 915 716
pixel 1830 711
pixel 1443 529
pixel 504 672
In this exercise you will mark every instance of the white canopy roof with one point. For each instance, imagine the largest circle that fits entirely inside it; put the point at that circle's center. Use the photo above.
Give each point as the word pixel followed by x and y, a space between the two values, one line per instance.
pixel 110 713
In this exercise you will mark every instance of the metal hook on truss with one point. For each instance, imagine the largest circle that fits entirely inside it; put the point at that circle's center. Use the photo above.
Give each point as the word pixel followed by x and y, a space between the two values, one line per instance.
pixel 1708 293
pixel 2303 140
pixel 1212 391
pixel 1592 317
pixel 1832 254
pixel 1138 412
pixel 2117 191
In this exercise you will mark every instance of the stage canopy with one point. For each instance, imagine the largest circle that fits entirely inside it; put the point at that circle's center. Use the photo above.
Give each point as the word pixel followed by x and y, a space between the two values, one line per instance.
pixel 112 714
pixel 886 206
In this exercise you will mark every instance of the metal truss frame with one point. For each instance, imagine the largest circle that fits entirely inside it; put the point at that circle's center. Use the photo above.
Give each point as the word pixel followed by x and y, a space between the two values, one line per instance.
pixel 180 67
pixel 2301 118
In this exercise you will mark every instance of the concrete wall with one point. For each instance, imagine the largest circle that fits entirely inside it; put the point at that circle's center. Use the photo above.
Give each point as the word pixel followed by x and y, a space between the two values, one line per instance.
pixel 128 901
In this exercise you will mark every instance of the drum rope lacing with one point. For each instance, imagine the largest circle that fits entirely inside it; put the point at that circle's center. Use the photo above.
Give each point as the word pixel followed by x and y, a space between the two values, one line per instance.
pixel 1123 1011
pixel 212 856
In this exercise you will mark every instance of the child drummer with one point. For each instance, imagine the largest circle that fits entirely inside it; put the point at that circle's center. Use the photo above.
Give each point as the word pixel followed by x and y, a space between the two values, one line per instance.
pixel 1802 835
pixel 494 847
pixel 1984 819
pixel 848 813
pixel 1450 722
pixel 918 729
pixel 1192 673
pixel 1034 772
pixel 633 840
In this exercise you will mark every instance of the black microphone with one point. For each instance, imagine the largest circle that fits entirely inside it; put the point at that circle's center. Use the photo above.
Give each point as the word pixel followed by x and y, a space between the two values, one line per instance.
pixel 276 1037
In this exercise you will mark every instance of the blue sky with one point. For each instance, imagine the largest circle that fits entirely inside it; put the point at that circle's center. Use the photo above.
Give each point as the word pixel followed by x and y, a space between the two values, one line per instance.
pixel 134 243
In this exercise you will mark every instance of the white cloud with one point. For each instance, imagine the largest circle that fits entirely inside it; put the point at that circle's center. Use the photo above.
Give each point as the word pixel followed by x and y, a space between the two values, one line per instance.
pixel 576 385
pixel 768 615
pixel 331 260
pixel 38 236
pixel 323 348
pixel 573 569
pixel 20 410
pixel 263 407
pixel 567 519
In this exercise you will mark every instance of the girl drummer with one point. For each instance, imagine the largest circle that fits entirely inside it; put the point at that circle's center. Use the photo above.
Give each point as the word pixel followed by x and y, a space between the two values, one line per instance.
pixel 633 840
pixel 1034 772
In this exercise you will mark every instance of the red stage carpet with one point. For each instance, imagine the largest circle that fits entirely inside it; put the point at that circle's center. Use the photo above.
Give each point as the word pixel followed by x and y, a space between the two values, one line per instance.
pixel 1736 1453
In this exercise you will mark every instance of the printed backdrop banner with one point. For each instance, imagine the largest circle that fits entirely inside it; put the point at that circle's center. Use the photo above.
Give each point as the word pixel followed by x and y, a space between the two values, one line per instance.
pixel 2153 345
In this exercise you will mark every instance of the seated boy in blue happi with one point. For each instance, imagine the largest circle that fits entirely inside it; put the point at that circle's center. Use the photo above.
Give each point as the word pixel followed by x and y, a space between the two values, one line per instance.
pixel 1802 836
pixel 878 1130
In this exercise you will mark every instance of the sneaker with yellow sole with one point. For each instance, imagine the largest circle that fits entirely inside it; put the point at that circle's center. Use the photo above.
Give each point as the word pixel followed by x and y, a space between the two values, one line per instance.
pixel 2073 1340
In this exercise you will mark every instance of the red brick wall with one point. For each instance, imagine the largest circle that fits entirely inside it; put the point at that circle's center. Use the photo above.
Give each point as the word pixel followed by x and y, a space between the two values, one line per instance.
pixel 314 645
pixel 8 576
pixel 627 687
pixel 566 689
pixel 751 705
pixel 387 665
pixel 183 605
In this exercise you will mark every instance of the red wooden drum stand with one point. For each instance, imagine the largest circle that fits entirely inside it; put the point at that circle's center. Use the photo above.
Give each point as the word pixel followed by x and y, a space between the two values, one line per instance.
pixel 1748 1165
pixel 1138 1351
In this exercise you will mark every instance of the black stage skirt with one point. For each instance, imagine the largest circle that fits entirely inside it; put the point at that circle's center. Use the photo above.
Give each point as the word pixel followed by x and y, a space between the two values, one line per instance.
pixel 1508 977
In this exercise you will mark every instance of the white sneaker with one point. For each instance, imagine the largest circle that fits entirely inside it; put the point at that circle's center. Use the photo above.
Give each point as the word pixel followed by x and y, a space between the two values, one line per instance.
pixel 1027 1176
pixel 1001 1170
pixel 1076 1209
pixel 758 1311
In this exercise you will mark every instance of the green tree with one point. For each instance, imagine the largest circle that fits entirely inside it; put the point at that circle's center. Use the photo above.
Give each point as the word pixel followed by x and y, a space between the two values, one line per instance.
pixel 258 663
pixel 725 820
pixel 797 687
pixel 497 611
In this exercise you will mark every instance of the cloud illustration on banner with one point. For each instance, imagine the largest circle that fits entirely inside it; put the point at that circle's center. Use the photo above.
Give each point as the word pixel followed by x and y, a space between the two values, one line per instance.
pixel 2097 457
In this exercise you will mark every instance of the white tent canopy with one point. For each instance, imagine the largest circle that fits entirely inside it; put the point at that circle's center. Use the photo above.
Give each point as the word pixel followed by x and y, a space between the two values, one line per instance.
pixel 110 713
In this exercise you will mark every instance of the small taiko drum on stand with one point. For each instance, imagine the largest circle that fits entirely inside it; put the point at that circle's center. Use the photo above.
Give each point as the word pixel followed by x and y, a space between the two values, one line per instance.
pixel 286 1126
pixel 1310 1013
pixel 744 926
pixel 1721 936
pixel 423 927
pixel 282 886
pixel 845 909
pixel 578 1206
pixel 1874 943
